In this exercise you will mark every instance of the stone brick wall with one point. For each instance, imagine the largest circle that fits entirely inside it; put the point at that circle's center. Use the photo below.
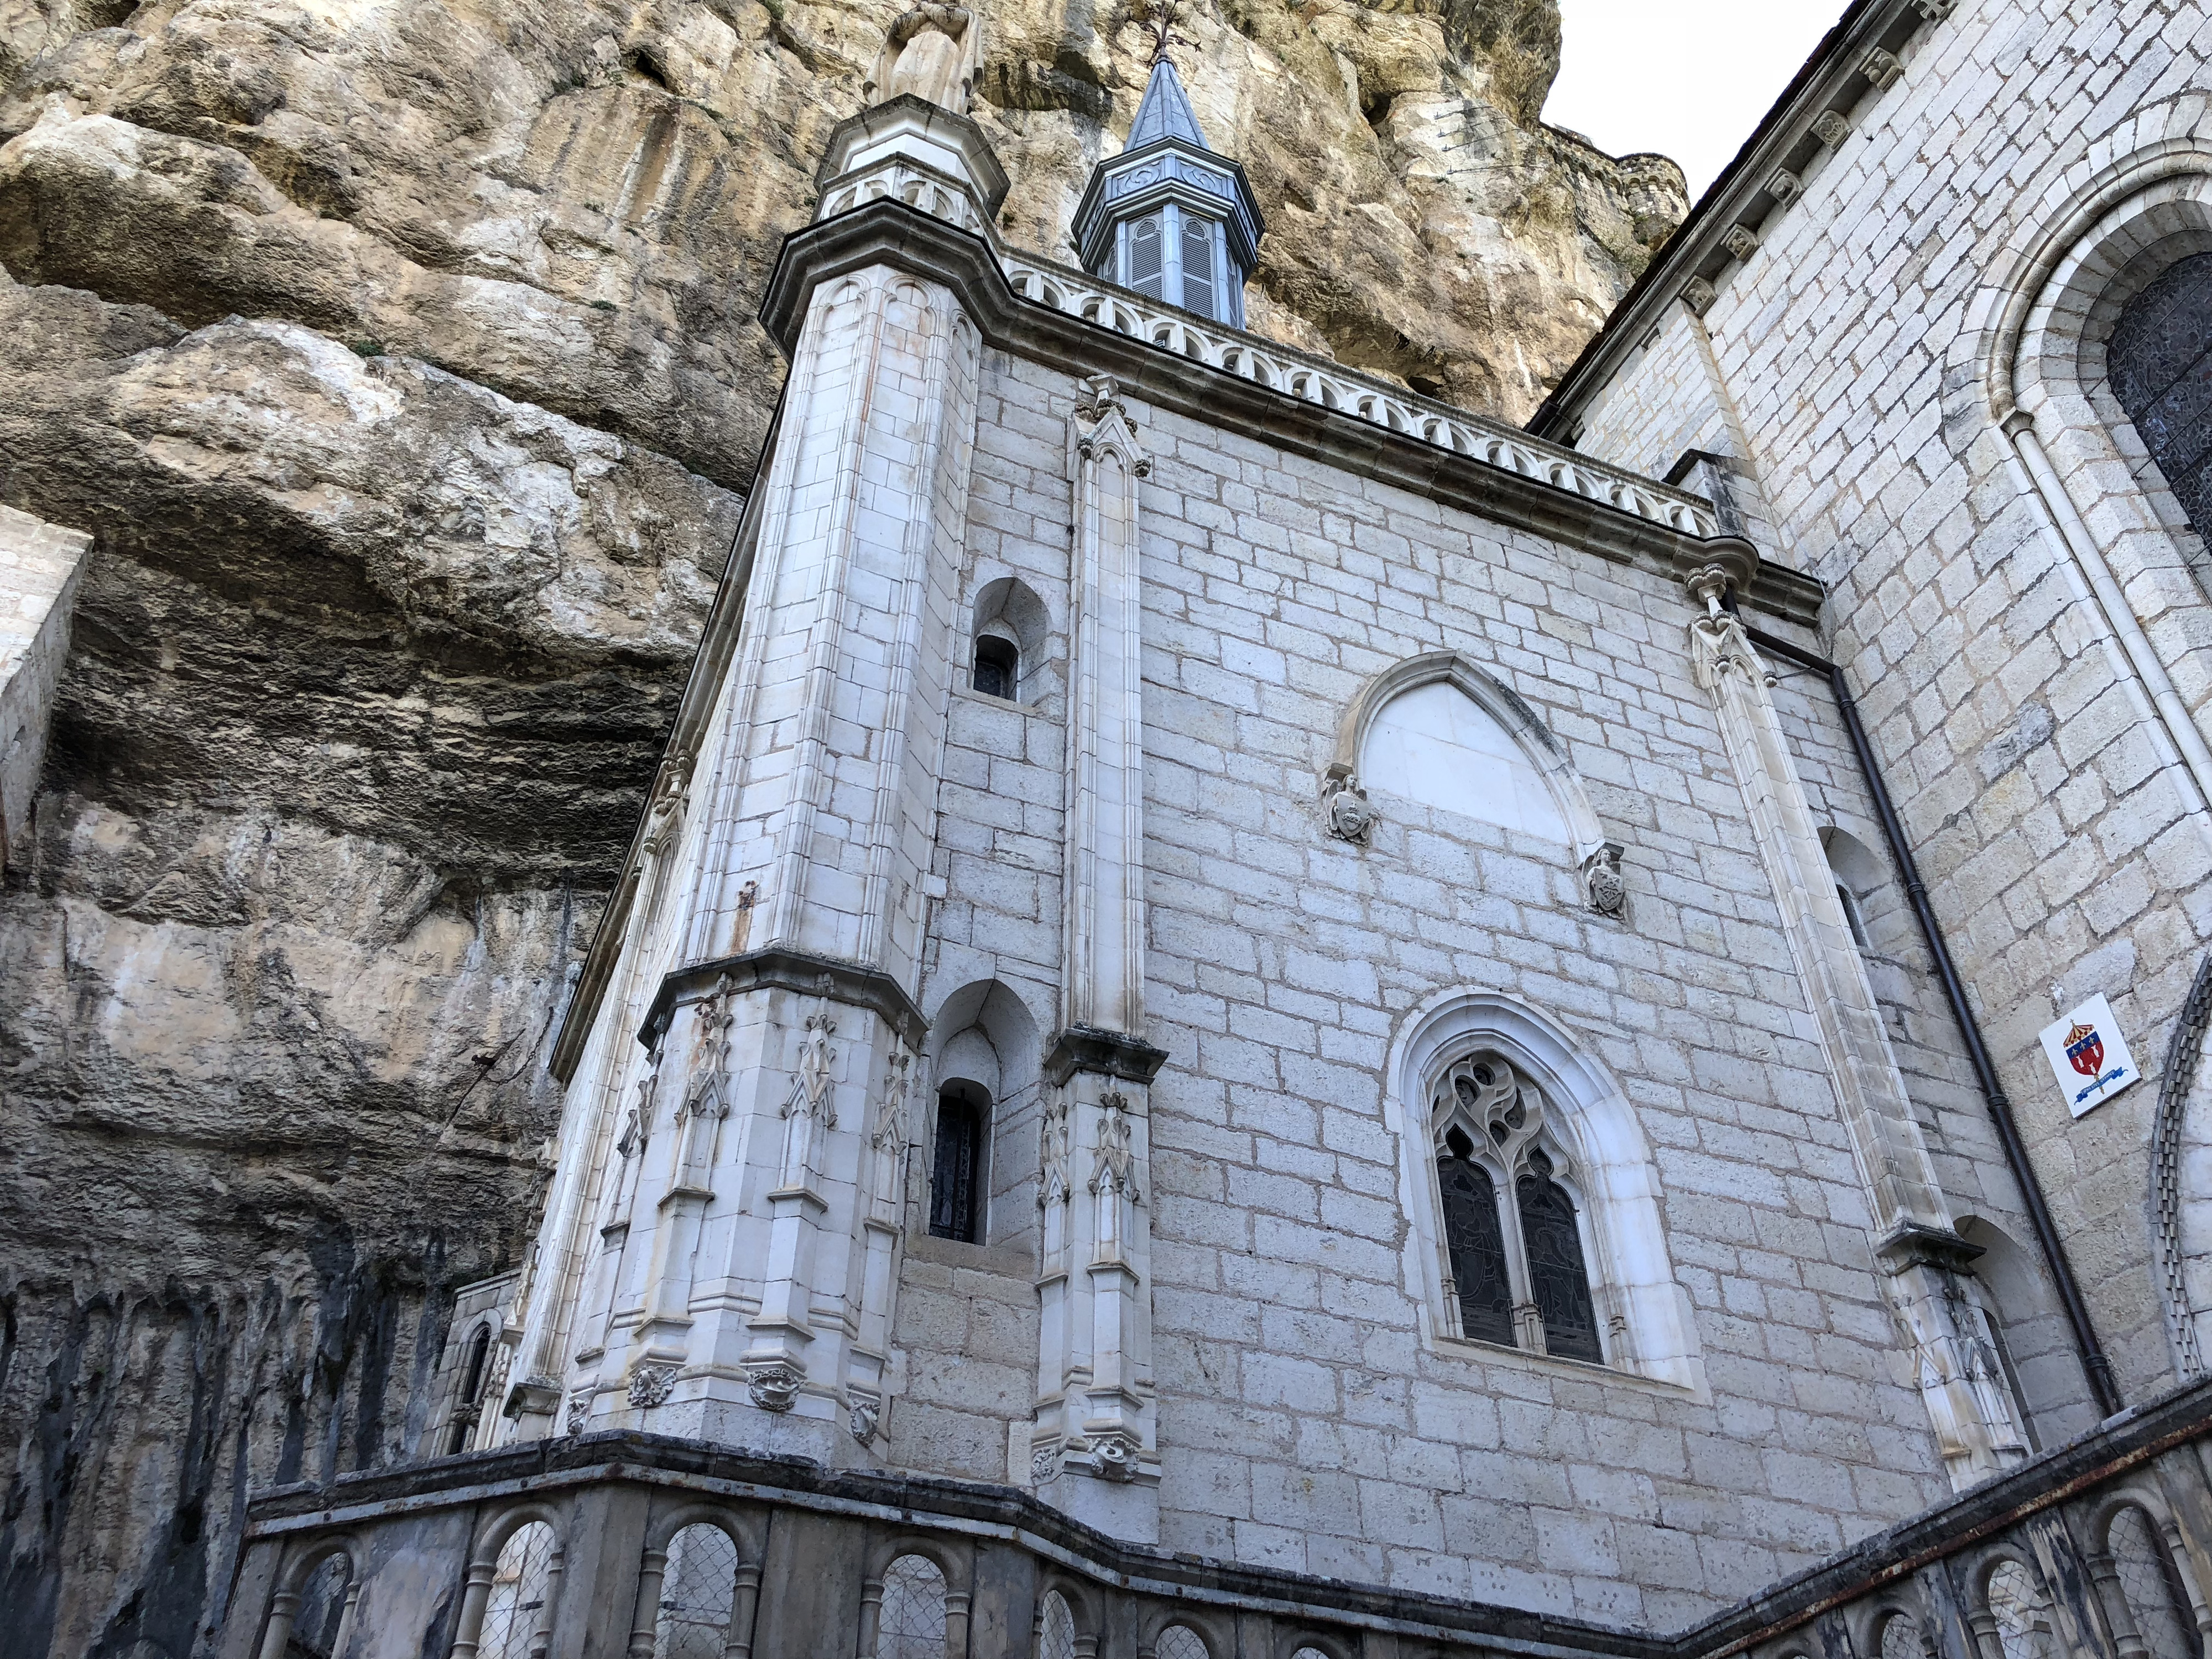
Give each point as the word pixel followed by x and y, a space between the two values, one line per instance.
pixel 1306 1420
pixel 2061 841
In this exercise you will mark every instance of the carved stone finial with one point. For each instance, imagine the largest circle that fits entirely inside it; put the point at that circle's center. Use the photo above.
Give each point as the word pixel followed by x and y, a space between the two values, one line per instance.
pixel 1603 887
pixel 650 1386
pixel 1345 807
pixel 931 53
pixel 775 1388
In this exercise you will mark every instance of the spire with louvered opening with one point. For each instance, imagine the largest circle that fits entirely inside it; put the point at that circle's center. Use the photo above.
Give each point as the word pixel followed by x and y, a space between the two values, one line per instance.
pixel 1167 217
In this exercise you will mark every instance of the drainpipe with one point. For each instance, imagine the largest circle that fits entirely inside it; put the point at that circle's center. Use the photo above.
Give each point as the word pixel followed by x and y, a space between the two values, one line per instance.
pixel 2094 1364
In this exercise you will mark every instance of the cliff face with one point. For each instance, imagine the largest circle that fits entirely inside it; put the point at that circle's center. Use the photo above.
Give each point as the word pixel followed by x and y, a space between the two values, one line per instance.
pixel 400 358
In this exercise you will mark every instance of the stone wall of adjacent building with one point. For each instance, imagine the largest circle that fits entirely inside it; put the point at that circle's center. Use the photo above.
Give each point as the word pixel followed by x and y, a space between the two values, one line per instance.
pixel 38 566
pixel 2063 843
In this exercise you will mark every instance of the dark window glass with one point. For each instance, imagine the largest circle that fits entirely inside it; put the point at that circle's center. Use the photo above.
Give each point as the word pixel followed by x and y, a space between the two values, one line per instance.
pixel 1556 1273
pixel 996 663
pixel 1146 256
pixel 1850 901
pixel 1197 265
pixel 2161 362
pixel 956 1188
pixel 472 1381
pixel 1476 1243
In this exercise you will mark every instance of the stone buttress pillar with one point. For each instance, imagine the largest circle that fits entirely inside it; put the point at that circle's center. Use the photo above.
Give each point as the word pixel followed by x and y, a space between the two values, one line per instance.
pixel 1094 1441
pixel 1925 1263
pixel 749 1211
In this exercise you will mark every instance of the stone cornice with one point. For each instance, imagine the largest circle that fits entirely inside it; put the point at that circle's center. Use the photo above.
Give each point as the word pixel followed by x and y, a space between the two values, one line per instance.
pixel 1953 1527
pixel 788 970
pixel 1117 1054
pixel 888 232
pixel 1859 57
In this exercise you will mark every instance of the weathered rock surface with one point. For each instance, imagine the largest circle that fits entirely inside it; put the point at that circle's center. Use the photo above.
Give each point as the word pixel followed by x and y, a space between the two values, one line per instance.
pixel 401 359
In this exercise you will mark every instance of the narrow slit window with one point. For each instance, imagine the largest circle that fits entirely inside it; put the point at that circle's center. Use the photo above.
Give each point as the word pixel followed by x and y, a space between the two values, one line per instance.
pixel 956 1185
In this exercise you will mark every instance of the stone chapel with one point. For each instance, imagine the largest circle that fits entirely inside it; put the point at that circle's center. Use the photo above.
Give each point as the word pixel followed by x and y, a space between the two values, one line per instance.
pixel 1255 1018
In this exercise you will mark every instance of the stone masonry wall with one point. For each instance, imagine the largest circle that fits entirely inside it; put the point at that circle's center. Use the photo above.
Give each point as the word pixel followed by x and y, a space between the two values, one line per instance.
pixel 2047 813
pixel 1304 1421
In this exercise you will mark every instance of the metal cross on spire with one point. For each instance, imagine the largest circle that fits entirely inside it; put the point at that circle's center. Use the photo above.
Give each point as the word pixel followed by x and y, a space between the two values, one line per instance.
pixel 1157 19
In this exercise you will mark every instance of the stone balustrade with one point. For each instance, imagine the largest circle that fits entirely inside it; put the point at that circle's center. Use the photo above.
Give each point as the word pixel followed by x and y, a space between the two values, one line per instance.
pixel 631 1547
pixel 1332 386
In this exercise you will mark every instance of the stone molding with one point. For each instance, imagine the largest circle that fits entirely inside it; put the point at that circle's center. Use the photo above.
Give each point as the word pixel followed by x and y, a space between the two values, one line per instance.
pixel 777 969
pixel 1240 384
pixel 1113 1053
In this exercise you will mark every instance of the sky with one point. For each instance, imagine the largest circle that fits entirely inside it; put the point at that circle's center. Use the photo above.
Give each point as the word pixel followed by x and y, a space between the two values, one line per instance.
pixel 1688 78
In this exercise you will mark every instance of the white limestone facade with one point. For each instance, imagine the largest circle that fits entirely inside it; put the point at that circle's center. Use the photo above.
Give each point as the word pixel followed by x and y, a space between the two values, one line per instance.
pixel 1269 807
pixel 1890 330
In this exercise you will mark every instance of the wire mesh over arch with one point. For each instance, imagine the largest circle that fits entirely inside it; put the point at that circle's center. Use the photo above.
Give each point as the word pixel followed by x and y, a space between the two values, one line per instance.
pixel 911 1625
pixel 697 1591
pixel 1310 1653
pixel 2152 1587
pixel 1055 1628
pixel 2160 358
pixel 1180 1642
pixel 518 1586
pixel 1901 1637
pixel 322 1607
pixel 2016 1607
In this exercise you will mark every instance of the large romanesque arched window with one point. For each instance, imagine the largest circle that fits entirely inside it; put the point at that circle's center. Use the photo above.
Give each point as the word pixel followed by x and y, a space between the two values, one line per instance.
pixel 2160 358
pixel 1520 1272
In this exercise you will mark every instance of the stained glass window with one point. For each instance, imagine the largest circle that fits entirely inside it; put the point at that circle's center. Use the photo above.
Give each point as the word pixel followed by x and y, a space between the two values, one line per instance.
pixel 1556 1276
pixel 2160 362
pixel 1476 1244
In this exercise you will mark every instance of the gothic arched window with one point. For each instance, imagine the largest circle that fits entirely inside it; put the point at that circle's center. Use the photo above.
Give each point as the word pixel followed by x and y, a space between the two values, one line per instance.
pixel 2160 358
pixel 1519 1274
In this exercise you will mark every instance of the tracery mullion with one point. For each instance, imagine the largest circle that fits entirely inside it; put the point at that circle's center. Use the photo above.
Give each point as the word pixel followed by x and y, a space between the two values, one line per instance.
pixel 1528 1323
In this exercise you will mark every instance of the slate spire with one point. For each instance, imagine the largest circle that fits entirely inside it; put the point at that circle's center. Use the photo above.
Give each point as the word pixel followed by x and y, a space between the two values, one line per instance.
pixel 1165 113
pixel 1169 217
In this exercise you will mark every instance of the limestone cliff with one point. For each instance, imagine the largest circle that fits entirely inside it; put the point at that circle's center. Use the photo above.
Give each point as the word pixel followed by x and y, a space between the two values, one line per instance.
pixel 400 358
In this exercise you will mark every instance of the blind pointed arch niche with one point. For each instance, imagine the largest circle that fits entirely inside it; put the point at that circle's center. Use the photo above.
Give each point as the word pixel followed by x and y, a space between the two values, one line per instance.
pixel 1441 732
